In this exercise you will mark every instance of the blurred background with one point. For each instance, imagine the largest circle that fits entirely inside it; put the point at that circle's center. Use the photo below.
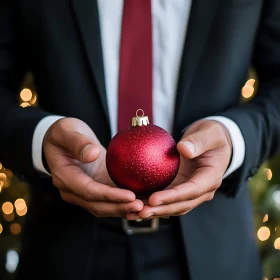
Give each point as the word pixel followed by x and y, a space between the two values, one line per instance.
pixel 264 188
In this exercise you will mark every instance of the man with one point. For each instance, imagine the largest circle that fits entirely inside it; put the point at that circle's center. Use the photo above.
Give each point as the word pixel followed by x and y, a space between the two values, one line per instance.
pixel 95 63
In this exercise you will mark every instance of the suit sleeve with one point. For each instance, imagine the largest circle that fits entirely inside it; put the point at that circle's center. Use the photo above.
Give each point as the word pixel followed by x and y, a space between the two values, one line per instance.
pixel 259 120
pixel 16 124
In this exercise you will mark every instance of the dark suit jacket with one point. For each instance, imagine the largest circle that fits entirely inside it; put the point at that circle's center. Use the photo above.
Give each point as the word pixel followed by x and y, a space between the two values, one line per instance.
pixel 59 41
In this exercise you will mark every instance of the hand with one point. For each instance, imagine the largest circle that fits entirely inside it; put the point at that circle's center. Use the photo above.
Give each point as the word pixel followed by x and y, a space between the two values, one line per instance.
pixel 77 163
pixel 205 151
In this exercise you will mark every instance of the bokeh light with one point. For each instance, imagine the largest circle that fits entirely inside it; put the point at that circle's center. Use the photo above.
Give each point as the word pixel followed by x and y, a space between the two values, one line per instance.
pixel 25 104
pixel 276 199
pixel 26 94
pixel 15 228
pixel 1 228
pixel 265 218
pixel 268 173
pixel 263 233
pixel 9 217
pixel 247 91
pixel 7 208
pixel 34 99
pixel 22 212
pixel 3 176
pixel 277 243
pixel 12 260
pixel 20 204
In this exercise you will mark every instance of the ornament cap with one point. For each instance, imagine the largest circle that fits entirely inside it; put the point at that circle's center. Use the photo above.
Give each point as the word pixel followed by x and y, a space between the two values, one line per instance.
pixel 140 120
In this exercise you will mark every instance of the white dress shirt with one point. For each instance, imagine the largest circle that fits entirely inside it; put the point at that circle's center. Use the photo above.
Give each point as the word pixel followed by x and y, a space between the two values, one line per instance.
pixel 170 19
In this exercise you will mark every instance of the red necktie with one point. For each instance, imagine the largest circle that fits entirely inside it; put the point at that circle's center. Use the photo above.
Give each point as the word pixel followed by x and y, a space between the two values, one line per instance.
pixel 135 73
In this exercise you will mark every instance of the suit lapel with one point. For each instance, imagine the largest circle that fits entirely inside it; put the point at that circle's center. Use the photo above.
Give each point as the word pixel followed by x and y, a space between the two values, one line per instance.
pixel 86 13
pixel 199 27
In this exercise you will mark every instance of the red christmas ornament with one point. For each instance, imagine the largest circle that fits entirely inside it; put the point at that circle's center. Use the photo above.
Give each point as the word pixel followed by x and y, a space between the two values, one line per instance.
pixel 142 158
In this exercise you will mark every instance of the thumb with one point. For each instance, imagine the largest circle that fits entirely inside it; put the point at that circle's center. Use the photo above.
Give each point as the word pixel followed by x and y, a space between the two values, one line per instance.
pixel 206 138
pixel 81 147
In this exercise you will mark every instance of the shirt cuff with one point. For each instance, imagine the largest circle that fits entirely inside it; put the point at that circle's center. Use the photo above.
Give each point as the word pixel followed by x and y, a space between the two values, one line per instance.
pixel 37 141
pixel 238 143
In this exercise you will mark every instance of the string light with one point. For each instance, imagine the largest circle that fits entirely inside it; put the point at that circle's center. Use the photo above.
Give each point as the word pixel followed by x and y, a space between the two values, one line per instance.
pixel 1 228
pixel 265 218
pixel 15 228
pixel 20 204
pixel 26 94
pixel 268 173
pixel 263 233
pixel 7 208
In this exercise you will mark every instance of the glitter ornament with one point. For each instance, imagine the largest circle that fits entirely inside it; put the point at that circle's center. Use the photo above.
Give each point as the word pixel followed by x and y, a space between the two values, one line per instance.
pixel 142 158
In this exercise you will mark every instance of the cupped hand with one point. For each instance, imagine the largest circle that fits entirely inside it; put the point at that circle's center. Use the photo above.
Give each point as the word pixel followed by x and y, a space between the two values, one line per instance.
pixel 205 151
pixel 76 160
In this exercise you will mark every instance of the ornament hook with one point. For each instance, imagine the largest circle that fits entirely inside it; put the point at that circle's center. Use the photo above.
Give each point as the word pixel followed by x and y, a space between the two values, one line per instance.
pixel 138 111
pixel 140 120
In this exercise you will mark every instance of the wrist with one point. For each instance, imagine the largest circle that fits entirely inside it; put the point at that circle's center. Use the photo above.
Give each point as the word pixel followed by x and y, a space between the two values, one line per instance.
pixel 237 142
pixel 227 135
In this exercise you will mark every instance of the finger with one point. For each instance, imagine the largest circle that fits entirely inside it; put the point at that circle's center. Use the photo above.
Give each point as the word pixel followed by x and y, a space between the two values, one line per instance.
pixel 80 146
pixel 166 217
pixel 76 181
pixel 173 209
pixel 209 136
pixel 132 216
pixel 104 209
pixel 203 180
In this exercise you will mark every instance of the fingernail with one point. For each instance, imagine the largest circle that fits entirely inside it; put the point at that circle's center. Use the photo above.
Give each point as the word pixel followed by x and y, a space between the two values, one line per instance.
pixel 85 150
pixel 134 218
pixel 190 146
pixel 149 215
